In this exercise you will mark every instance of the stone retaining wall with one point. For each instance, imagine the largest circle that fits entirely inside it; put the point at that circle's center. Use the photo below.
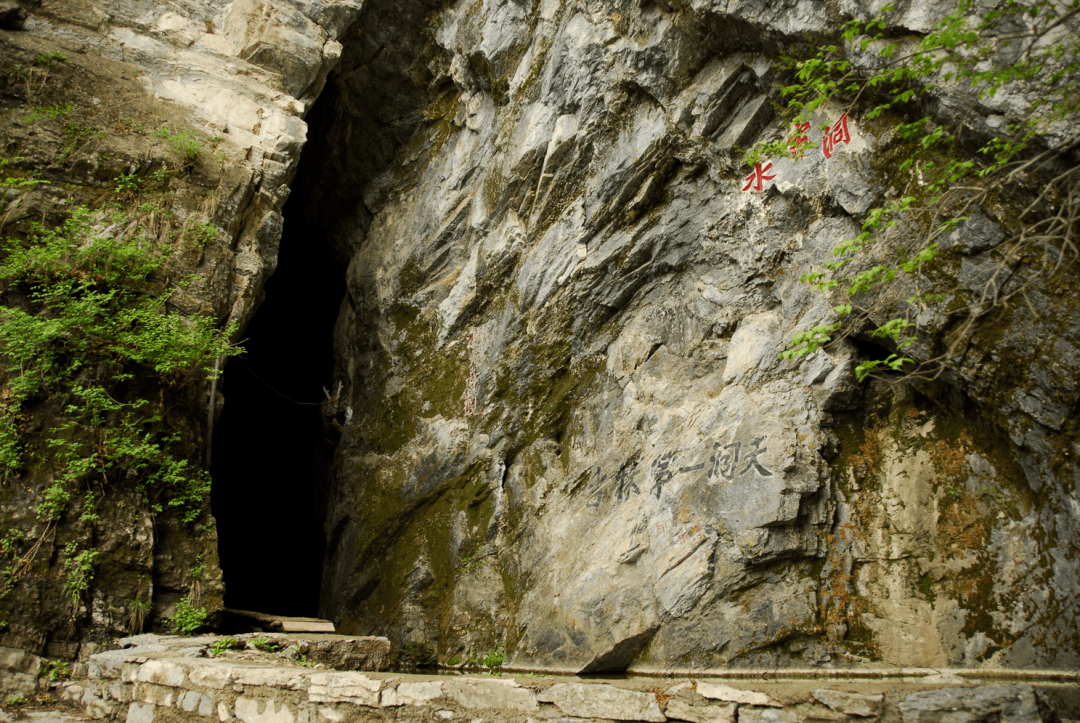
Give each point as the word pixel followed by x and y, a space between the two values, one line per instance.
pixel 156 680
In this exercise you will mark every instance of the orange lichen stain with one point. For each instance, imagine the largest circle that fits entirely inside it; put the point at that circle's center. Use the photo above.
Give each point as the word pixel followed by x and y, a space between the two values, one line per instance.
pixel 949 460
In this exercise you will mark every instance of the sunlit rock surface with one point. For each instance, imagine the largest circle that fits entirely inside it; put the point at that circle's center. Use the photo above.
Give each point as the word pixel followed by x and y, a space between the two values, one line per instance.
pixel 566 430
pixel 561 429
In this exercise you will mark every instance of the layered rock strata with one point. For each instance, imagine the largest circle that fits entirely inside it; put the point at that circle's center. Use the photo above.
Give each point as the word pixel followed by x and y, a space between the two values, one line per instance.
pixel 562 431
pixel 93 93
pixel 565 430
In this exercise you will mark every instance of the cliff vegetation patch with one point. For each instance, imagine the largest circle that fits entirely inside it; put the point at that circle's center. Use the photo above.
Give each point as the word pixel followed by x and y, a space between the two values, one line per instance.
pixel 1007 185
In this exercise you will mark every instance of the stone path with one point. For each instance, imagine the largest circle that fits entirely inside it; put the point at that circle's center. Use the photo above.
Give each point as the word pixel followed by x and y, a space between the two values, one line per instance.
pixel 159 679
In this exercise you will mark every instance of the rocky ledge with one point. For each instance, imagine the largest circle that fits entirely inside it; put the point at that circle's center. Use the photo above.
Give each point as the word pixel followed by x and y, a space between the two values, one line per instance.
pixel 293 679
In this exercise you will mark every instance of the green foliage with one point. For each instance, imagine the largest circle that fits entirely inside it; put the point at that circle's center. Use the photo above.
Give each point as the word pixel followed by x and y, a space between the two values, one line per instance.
pixel 55 670
pixel 492 659
pixel 160 176
pixel 15 701
pixel 127 185
pixel 187 618
pixel 10 559
pixel 54 111
pixel 1024 47
pixel 265 644
pixel 205 232
pixel 76 135
pixel 222 644
pixel 45 60
pixel 495 658
pixel 295 653
pixel 185 145
pixel 137 612
pixel 80 573
pixel 94 304
pixel 469 562
pixel 23 182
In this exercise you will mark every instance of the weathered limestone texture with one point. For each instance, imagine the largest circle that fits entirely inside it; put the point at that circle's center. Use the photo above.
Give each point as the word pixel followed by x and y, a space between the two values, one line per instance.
pixel 237 78
pixel 562 432
pixel 566 431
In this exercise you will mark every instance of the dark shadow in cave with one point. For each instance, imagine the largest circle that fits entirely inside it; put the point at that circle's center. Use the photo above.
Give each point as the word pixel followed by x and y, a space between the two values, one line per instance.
pixel 266 488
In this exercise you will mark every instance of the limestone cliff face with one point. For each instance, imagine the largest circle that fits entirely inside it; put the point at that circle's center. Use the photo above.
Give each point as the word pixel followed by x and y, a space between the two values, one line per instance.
pixel 239 78
pixel 565 428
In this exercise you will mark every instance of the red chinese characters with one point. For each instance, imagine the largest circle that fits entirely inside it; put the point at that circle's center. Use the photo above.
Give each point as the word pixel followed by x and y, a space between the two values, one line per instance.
pixel 799 142
pixel 757 179
pixel 837 134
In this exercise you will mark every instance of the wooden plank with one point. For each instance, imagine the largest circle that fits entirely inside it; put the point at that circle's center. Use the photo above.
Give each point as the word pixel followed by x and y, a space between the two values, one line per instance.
pixel 280 623
pixel 301 625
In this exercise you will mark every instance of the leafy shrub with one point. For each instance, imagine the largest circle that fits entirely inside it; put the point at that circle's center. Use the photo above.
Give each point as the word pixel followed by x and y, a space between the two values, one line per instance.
pixel 223 644
pixel 129 184
pixel 495 658
pixel 1026 48
pixel 137 612
pixel 80 573
pixel 53 56
pixel 187 618
pixel 54 111
pixel 94 303
pixel 55 670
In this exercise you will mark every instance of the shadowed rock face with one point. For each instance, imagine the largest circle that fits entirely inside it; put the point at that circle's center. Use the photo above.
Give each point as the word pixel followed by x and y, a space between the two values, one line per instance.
pixel 565 429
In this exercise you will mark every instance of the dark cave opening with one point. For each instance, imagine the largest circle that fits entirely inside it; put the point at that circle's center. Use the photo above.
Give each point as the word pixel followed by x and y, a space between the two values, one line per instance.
pixel 266 494
pixel 269 494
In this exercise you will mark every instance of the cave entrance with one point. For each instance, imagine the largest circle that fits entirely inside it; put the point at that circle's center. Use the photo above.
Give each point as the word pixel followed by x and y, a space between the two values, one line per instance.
pixel 266 494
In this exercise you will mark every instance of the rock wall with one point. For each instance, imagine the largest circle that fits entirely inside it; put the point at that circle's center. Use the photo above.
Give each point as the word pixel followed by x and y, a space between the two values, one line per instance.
pixel 566 432
pixel 239 78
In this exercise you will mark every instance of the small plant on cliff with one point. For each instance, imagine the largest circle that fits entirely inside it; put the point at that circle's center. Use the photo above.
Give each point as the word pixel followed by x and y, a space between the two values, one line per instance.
pixel 495 658
pixel 470 562
pixel 1025 171
pixel 55 670
pixel 296 654
pixel 45 60
pixel 492 659
pixel 137 612
pixel 185 145
pixel 80 573
pixel 188 618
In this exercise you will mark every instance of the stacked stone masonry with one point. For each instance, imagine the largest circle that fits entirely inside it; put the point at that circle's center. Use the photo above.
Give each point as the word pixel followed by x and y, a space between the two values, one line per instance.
pixel 174 679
